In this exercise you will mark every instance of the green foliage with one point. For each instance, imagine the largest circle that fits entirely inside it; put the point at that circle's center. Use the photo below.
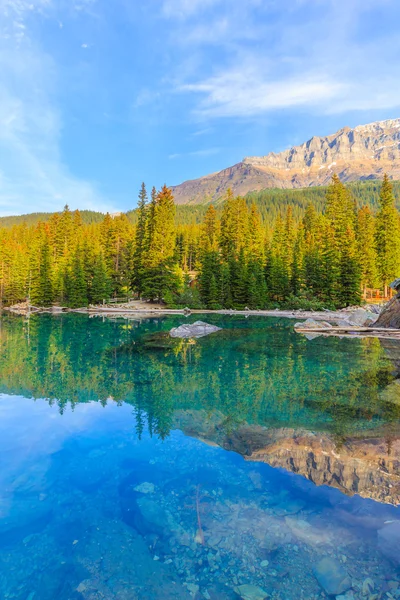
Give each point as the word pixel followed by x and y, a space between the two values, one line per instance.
pixel 242 252
pixel 387 235
pixel 304 301
pixel 101 284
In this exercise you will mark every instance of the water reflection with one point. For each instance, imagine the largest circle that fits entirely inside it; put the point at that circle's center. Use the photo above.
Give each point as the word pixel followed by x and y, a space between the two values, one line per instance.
pixel 119 503
pixel 327 408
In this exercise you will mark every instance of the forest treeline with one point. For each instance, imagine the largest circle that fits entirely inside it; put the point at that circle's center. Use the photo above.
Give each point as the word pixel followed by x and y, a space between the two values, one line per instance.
pixel 270 203
pixel 234 258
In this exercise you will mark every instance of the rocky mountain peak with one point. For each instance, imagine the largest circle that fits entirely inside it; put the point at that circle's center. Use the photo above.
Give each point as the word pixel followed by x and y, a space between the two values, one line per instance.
pixel 364 152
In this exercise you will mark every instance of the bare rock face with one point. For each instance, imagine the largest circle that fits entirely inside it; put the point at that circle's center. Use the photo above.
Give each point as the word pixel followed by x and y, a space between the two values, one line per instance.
pixel 194 330
pixel 390 316
pixel 365 152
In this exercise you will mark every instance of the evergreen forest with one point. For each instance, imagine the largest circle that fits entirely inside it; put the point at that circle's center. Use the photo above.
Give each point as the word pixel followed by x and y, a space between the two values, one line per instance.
pixel 320 252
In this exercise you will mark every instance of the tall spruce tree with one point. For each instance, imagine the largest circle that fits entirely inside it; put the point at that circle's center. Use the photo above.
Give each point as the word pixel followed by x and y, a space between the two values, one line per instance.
pixel 140 239
pixel 387 235
pixel 76 284
pixel 366 249
pixel 42 288
pixel 159 273
pixel 101 284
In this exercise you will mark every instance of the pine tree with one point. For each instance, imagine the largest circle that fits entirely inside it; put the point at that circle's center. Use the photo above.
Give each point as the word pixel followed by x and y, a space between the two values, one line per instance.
pixel 387 235
pixel 366 250
pixel 256 237
pixel 297 280
pixel 329 266
pixel 340 209
pixel 140 238
pixel 256 285
pixel 158 273
pixel 349 285
pixel 101 285
pixel 213 294
pixel 225 291
pixel 45 279
pixel 76 286
pixel 234 235
pixel 239 279
pixel 210 267
pixel 40 270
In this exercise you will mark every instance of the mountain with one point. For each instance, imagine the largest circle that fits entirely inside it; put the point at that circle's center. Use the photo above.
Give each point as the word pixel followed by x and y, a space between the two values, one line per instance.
pixel 365 152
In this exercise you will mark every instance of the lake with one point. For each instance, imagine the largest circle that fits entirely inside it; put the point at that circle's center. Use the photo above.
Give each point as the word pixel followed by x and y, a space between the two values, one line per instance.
pixel 251 463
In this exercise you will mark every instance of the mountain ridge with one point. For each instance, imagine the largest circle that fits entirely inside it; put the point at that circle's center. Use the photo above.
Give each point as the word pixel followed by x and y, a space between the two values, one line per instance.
pixel 360 153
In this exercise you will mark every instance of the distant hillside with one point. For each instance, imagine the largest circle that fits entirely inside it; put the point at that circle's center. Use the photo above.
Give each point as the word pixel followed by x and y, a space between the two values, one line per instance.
pixel 363 153
pixel 88 217
pixel 270 203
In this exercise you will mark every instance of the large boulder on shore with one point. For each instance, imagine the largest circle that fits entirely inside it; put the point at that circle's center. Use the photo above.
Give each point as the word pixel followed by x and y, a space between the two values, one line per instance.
pixel 193 330
pixel 361 318
pixel 390 315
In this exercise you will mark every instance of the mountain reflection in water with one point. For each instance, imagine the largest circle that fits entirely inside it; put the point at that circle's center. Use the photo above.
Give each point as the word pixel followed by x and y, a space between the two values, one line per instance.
pixel 142 500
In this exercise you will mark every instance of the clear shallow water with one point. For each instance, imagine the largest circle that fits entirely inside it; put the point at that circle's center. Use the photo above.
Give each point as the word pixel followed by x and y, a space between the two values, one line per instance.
pixel 116 481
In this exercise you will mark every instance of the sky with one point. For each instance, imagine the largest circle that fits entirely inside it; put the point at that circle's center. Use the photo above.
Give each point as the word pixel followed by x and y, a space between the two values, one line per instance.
pixel 97 96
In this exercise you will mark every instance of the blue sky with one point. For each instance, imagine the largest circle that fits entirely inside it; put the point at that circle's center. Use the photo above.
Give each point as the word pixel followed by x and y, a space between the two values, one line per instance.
pixel 97 96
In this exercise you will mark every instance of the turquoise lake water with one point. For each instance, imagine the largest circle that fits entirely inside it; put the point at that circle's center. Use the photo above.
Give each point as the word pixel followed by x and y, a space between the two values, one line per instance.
pixel 136 466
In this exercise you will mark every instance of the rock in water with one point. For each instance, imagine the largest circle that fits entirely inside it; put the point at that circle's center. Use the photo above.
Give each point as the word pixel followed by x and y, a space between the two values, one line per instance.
pixel 312 324
pixel 361 318
pixel 331 576
pixel 389 541
pixel 193 330
pixel 251 592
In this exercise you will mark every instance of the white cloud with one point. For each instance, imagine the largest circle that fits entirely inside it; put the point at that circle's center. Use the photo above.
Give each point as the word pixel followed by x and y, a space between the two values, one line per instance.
pixel 325 61
pixel 248 92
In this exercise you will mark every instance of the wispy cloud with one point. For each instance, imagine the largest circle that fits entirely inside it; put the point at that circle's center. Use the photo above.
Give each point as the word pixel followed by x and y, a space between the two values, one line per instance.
pixel 186 8
pixel 322 60
pixel 205 152
pixel 243 92
pixel 34 176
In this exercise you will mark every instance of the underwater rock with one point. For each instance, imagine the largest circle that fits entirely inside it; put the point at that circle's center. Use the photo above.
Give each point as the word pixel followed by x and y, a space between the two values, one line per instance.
pixel 389 541
pixel 145 488
pixel 193 330
pixel 331 576
pixel 251 592
pixel 25 519
pixel 368 587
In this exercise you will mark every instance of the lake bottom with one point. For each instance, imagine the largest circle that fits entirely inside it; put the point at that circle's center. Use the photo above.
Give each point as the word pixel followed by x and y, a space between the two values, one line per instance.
pixel 90 511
